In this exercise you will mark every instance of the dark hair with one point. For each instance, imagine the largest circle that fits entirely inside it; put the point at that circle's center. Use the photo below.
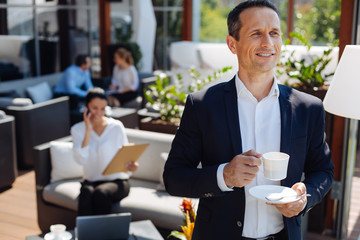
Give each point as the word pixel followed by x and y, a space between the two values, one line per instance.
pixel 81 59
pixel 95 92
pixel 233 19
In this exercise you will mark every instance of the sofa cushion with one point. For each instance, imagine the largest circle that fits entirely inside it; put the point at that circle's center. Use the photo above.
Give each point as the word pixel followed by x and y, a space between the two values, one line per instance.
pixel 144 202
pixel 62 162
pixel 18 102
pixel 150 161
pixel 40 92
pixel 64 193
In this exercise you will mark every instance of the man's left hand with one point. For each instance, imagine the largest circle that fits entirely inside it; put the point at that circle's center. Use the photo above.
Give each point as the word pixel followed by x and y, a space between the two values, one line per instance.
pixel 294 208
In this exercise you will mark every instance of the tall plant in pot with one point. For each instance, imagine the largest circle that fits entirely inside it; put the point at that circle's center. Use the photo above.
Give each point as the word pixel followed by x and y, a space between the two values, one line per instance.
pixel 306 73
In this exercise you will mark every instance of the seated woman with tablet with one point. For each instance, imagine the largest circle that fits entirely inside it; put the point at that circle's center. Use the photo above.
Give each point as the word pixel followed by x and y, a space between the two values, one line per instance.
pixel 96 140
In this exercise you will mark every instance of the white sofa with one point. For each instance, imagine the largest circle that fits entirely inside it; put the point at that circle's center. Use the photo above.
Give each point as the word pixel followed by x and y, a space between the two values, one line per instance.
pixel 204 57
pixel 57 201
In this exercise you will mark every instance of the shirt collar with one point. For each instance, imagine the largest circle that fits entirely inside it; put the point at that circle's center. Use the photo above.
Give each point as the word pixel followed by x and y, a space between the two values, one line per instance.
pixel 242 90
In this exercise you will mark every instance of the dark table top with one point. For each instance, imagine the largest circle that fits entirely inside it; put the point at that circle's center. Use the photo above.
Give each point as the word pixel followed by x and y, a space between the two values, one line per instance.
pixel 139 230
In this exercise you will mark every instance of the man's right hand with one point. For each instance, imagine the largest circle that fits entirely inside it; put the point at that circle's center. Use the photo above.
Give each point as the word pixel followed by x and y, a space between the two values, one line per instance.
pixel 242 169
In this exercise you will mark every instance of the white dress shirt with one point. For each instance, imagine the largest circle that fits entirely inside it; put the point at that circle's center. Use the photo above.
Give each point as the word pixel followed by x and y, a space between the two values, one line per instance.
pixel 101 149
pixel 260 126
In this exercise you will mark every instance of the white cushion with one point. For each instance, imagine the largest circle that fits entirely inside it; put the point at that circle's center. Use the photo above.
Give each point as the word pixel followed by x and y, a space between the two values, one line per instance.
pixel 63 163
pixel 144 202
pixel 150 160
pixel 40 92
pixel 18 102
pixel 64 193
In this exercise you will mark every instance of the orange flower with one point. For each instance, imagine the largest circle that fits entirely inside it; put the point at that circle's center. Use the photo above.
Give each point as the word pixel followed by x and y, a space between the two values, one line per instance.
pixel 189 222
pixel 187 208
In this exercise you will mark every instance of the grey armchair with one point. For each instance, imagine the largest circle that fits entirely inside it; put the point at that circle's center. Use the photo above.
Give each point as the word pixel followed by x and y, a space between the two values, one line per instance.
pixel 39 123
pixel 8 167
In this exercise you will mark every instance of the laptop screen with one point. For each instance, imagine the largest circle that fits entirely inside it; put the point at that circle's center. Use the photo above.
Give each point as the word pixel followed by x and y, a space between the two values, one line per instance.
pixel 103 227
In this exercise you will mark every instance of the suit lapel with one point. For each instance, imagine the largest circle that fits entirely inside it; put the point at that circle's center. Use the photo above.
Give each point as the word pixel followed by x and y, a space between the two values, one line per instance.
pixel 286 121
pixel 230 98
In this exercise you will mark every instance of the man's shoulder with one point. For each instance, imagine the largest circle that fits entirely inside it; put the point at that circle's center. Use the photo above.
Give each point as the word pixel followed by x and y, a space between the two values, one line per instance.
pixel 70 69
pixel 298 97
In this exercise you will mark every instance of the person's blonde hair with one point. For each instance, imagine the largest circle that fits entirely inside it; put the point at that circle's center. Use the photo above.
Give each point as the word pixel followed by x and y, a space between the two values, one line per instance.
pixel 125 54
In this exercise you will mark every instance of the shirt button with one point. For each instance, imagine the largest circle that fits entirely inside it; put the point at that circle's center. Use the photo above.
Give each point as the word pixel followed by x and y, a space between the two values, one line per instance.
pixel 239 224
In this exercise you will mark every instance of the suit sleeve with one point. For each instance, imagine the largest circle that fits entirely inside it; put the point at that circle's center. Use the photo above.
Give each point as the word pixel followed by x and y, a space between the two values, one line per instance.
pixel 318 169
pixel 182 176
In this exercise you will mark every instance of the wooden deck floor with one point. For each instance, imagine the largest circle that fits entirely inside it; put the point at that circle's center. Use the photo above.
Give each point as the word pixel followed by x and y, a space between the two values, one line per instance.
pixel 18 210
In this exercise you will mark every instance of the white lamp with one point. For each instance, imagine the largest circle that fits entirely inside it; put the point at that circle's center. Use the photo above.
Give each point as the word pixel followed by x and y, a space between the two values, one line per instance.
pixel 343 99
pixel 343 95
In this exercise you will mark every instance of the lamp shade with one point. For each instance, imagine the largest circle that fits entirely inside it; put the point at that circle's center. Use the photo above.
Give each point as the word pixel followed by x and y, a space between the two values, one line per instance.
pixel 343 95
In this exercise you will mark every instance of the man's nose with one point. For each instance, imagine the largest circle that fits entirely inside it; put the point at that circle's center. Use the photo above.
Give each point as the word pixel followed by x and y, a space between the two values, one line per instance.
pixel 266 41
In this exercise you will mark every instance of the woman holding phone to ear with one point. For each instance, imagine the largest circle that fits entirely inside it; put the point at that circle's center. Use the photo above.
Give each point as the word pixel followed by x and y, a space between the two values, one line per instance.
pixel 96 141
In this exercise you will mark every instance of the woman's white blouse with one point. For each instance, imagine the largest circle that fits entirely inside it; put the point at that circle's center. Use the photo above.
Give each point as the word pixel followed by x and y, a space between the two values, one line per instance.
pixel 125 78
pixel 101 149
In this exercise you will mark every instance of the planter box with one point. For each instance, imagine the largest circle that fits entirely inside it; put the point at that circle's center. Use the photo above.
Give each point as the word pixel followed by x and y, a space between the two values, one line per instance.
pixel 158 125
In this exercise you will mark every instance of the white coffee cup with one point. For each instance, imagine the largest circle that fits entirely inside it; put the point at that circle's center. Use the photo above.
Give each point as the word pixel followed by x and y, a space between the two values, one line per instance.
pixel 57 230
pixel 275 165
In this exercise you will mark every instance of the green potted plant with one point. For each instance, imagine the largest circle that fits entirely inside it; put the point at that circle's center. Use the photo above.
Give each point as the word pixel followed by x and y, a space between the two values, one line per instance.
pixel 169 99
pixel 306 74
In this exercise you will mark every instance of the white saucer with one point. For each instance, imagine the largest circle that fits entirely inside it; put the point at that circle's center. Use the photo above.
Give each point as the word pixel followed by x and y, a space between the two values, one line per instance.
pixel 64 236
pixel 273 191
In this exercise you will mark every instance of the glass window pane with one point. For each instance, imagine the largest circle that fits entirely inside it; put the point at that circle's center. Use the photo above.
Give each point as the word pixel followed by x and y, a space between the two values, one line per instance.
pixel 325 19
pixel 160 44
pixel 19 2
pixel 14 62
pixel 47 32
pixel 168 14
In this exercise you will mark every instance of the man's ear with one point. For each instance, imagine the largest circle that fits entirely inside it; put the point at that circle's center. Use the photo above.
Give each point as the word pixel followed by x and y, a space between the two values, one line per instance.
pixel 230 41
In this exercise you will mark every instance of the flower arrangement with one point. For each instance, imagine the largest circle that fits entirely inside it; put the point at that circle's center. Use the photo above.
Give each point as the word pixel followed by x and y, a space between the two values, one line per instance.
pixel 169 99
pixel 187 208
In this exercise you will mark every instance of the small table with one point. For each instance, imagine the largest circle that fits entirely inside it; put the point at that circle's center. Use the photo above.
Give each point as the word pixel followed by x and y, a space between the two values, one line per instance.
pixel 139 230
pixel 128 116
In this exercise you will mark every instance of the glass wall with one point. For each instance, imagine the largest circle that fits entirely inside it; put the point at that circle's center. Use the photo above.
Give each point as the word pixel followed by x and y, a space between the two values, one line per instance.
pixel 40 37
pixel 317 21
pixel 169 23
pixel 214 14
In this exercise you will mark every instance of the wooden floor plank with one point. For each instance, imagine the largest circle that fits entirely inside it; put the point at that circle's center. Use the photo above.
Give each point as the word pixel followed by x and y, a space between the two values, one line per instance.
pixel 18 217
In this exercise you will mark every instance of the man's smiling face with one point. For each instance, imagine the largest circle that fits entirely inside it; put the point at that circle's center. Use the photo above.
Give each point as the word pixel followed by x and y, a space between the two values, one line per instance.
pixel 259 46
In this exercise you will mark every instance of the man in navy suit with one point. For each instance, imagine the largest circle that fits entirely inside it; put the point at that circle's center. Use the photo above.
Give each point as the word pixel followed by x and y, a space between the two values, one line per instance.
pixel 229 126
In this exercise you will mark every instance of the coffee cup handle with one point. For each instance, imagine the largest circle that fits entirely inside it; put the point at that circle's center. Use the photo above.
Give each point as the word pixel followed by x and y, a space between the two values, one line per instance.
pixel 262 163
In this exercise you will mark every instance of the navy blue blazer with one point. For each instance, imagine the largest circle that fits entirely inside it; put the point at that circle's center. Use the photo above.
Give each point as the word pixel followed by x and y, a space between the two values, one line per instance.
pixel 209 134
